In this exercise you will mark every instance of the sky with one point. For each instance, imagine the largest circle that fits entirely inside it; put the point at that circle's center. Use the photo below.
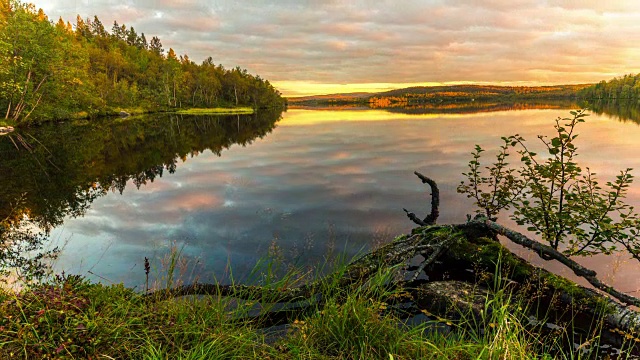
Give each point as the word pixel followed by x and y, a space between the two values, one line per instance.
pixel 309 47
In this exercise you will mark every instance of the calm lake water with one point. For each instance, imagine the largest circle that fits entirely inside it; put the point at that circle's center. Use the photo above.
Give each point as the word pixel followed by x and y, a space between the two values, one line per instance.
pixel 229 191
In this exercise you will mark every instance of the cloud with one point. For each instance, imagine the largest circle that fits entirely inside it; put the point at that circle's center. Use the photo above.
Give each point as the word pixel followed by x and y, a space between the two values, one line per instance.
pixel 338 42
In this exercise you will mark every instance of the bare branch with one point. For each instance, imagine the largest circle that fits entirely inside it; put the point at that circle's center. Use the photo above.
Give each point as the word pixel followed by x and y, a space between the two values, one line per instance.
pixel 435 203
pixel 548 251
pixel 414 218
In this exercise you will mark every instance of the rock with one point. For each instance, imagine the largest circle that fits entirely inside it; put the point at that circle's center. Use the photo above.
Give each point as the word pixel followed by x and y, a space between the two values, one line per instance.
pixel 453 299
pixel 123 114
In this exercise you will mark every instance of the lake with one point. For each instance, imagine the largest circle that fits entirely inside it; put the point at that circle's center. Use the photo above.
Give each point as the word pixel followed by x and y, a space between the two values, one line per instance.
pixel 301 187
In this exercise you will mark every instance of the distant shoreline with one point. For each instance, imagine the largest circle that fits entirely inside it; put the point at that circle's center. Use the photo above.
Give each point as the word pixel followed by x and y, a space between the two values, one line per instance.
pixel 446 94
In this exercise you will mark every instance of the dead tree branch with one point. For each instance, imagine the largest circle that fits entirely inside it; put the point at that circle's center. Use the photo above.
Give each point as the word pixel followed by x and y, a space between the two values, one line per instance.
pixel 435 203
pixel 549 252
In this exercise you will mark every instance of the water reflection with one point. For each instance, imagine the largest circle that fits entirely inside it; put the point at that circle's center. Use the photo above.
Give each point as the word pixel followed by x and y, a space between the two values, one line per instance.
pixel 448 107
pixel 325 182
pixel 478 106
pixel 621 110
pixel 59 170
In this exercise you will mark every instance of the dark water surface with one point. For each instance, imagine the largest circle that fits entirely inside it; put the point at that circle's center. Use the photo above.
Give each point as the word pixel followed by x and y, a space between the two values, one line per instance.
pixel 311 185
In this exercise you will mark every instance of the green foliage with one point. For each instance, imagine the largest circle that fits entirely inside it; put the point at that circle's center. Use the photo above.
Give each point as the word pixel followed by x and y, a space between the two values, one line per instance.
pixel 496 191
pixel 71 318
pixel 620 89
pixel 50 72
pixel 555 198
pixel 354 329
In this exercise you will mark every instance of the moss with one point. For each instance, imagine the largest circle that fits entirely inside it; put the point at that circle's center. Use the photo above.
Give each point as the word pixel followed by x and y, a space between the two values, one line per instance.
pixel 489 254
pixel 400 238
pixel 581 296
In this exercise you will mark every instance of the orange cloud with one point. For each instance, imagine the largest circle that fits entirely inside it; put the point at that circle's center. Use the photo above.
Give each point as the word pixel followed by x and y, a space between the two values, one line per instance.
pixel 317 47
pixel 192 201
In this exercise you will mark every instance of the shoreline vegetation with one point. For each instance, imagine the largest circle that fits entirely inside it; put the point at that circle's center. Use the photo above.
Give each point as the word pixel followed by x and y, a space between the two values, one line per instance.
pixel 71 318
pixel 478 302
pixel 217 111
pixel 85 71
pixel 618 97
pixel 442 95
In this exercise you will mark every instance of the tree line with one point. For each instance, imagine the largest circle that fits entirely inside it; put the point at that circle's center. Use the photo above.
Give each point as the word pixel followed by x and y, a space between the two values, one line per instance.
pixel 458 93
pixel 56 70
pixel 625 88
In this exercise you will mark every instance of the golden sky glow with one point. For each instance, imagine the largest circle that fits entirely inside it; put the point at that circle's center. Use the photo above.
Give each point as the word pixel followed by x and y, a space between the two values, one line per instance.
pixel 316 47
pixel 306 88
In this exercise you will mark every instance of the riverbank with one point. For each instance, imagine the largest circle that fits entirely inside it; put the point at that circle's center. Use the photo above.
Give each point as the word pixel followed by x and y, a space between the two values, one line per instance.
pixel 217 111
pixel 371 316
pixel 126 112
pixel 242 110
pixel 70 317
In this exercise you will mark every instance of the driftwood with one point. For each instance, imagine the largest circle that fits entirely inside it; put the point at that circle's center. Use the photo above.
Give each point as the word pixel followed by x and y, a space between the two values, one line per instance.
pixel 448 253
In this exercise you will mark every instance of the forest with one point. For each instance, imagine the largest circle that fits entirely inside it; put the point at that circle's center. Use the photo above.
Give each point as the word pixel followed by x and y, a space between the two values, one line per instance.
pixel 625 88
pixel 52 70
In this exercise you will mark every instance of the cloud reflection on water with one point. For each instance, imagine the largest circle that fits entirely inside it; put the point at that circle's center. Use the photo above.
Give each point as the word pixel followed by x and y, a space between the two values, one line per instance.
pixel 314 185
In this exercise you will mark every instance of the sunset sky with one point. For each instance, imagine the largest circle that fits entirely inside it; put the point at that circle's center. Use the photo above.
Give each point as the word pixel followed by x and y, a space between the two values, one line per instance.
pixel 323 46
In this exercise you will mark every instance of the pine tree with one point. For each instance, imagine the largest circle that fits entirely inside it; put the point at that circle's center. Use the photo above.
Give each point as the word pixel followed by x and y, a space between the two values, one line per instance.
pixel 156 46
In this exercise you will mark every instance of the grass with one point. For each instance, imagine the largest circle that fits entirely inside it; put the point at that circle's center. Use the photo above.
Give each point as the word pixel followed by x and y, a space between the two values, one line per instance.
pixel 216 111
pixel 69 317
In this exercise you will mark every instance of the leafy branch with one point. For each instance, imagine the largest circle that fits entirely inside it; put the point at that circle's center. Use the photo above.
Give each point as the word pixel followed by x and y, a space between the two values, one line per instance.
pixel 553 197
